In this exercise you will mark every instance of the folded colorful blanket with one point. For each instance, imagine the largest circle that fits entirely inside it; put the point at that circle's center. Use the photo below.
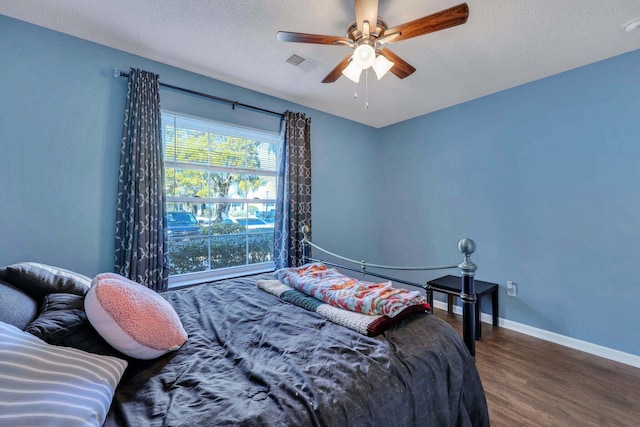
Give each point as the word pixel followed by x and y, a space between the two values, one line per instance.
pixel 366 324
pixel 333 287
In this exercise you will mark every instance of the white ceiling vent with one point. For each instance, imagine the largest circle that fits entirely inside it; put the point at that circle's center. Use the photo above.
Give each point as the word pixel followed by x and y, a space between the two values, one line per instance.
pixel 295 60
pixel 300 62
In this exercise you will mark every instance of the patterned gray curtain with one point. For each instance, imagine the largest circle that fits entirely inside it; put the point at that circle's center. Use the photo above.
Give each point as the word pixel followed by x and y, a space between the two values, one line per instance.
pixel 293 205
pixel 141 248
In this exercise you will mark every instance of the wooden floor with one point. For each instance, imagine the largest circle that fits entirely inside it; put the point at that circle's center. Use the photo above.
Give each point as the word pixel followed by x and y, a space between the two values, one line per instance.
pixel 532 382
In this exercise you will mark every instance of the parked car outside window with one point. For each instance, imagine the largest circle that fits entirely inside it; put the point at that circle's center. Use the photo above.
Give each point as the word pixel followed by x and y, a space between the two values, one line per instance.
pixel 180 224
pixel 268 216
pixel 251 223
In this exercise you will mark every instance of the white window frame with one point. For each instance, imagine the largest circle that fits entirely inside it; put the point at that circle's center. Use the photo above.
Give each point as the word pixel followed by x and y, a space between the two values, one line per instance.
pixel 187 279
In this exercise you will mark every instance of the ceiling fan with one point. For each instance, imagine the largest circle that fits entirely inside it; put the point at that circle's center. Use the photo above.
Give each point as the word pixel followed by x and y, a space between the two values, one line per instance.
pixel 369 33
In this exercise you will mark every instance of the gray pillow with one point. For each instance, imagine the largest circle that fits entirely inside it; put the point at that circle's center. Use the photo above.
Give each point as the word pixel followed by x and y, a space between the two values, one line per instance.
pixel 39 280
pixel 17 308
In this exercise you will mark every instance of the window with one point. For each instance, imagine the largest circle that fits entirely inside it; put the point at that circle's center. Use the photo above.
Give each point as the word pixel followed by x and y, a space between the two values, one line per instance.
pixel 221 192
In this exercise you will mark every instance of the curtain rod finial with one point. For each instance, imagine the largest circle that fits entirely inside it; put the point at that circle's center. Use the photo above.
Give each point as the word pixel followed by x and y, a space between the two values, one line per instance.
pixel 116 72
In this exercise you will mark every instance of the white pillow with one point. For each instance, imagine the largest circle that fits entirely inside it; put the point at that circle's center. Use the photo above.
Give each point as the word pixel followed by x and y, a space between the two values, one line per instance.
pixel 132 318
pixel 47 385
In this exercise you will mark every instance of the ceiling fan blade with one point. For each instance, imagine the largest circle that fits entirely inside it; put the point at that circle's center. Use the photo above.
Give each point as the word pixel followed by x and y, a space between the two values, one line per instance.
pixel 401 68
pixel 337 72
pixel 447 18
pixel 366 10
pixel 285 36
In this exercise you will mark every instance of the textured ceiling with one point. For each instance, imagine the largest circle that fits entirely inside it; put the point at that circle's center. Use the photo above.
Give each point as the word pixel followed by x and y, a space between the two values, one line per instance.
pixel 505 43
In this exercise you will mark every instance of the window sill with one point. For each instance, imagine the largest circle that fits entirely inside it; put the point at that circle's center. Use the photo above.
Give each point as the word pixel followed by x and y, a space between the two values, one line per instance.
pixel 183 280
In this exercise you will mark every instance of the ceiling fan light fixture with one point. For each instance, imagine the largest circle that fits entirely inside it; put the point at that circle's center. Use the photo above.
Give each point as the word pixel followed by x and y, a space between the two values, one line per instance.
pixel 381 66
pixel 352 72
pixel 364 56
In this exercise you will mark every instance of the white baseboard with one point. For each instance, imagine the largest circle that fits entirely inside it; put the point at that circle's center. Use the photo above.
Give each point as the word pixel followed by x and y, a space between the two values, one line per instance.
pixel 587 347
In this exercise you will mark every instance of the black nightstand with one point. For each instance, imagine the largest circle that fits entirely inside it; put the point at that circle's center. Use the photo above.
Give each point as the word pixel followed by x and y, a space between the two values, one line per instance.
pixel 452 286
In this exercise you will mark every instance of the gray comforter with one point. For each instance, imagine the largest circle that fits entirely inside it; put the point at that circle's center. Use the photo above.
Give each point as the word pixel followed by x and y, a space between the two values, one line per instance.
pixel 252 359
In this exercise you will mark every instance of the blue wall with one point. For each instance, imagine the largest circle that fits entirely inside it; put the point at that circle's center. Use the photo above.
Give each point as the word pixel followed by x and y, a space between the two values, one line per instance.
pixel 542 176
pixel 545 178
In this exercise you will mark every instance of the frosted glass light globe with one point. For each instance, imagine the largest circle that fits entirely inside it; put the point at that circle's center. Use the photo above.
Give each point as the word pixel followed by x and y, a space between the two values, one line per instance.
pixel 364 56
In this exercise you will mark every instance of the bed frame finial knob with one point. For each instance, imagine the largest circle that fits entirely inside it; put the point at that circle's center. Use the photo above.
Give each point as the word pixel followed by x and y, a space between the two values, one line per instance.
pixel 467 246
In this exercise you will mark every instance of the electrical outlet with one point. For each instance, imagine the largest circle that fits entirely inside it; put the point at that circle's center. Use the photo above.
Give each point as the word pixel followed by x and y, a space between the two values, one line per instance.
pixel 512 289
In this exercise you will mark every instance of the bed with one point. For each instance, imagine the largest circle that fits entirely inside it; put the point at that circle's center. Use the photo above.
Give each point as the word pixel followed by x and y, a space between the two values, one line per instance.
pixel 253 359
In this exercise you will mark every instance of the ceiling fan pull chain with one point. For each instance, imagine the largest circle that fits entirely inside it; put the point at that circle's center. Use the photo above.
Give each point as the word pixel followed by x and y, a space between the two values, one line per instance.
pixel 366 88
pixel 355 90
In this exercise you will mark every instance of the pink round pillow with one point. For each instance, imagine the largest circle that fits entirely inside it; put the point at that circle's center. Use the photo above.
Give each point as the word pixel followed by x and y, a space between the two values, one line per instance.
pixel 132 318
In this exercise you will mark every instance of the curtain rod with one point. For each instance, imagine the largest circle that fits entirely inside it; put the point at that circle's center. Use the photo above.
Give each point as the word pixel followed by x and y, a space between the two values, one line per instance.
pixel 234 104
